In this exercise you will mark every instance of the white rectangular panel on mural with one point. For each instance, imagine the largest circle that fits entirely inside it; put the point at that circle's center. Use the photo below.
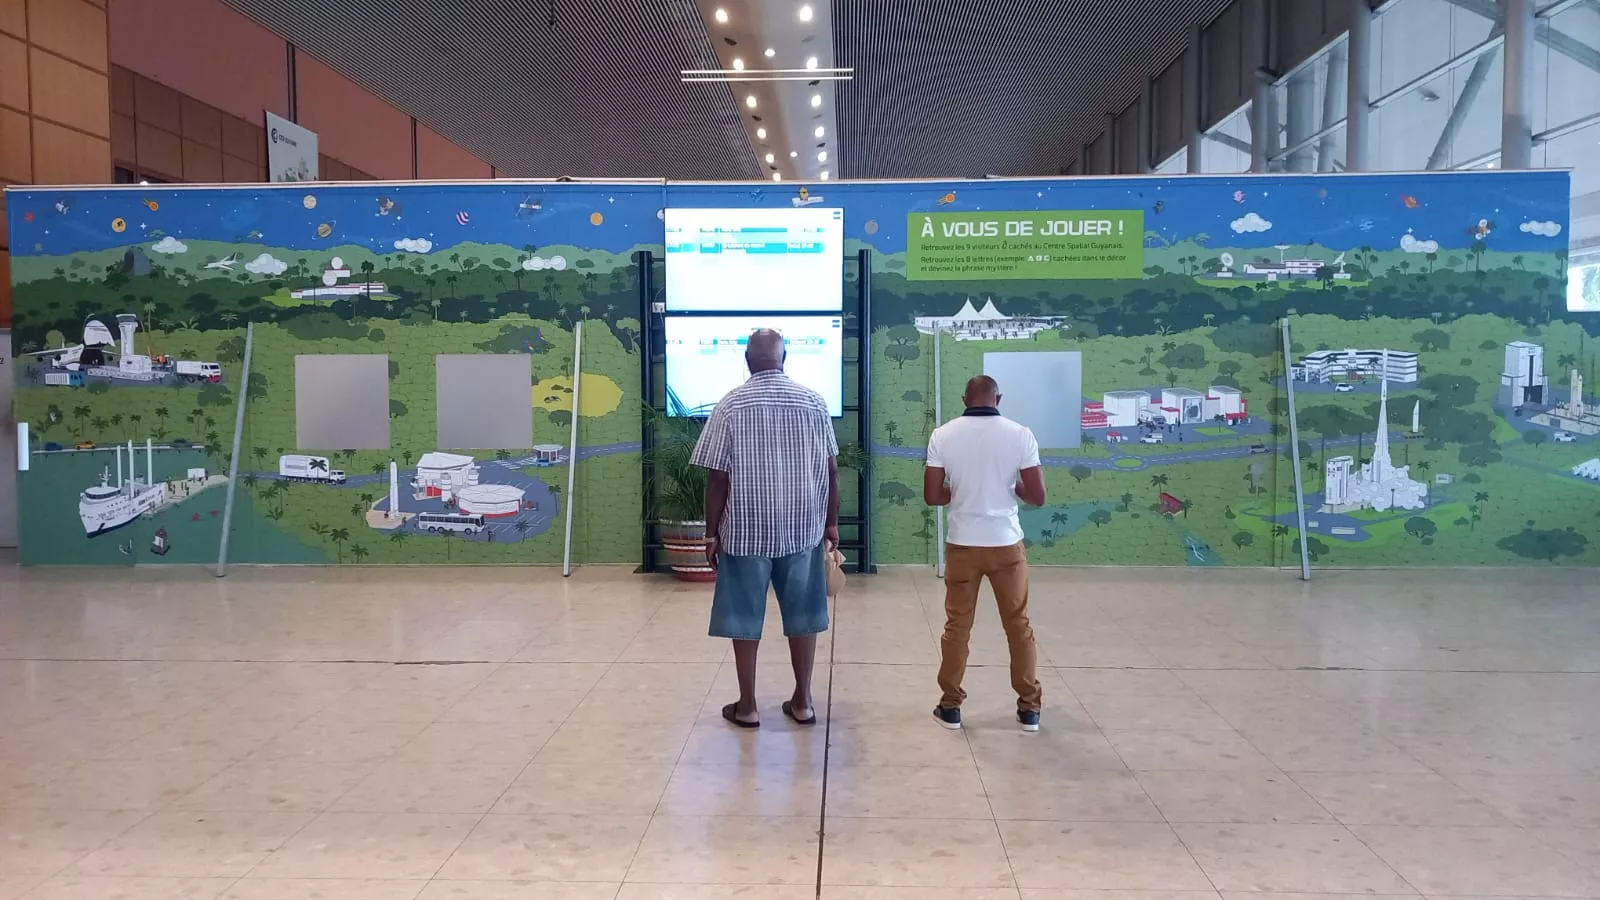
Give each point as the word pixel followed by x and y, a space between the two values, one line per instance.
pixel 1043 391
pixel 755 260
pixel 291 151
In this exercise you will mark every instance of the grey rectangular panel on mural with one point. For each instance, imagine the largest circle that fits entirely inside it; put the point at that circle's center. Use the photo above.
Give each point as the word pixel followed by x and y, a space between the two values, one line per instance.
pixel 341 401
pixel 1043 391
pixel 485 401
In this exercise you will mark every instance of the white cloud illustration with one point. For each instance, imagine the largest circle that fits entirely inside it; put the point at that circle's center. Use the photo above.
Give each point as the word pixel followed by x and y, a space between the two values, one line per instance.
pixel 266 264
pixel 1543 229
pixel 414 245
pixel 171 245
pixel 1248 223
pixel 1410 244
pixel 540 263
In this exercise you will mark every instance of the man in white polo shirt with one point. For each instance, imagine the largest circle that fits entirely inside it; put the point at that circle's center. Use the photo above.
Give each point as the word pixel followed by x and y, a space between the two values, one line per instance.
pixel 979 465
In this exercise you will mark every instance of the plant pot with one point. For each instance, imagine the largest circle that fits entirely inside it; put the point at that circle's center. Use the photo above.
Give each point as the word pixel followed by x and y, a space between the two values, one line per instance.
pixel 683 545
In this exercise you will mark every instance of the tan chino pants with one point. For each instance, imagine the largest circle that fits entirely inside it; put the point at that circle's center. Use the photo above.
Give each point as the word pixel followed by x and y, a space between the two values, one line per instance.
pixel 1007 571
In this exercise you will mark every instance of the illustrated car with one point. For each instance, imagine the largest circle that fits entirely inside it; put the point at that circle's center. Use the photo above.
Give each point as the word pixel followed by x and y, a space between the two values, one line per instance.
pixel 85 445
pixel 1150 439
pixel 1563 437
pixel 180 443
pixel 1258 448
pixel 1344 387
pixel 52 446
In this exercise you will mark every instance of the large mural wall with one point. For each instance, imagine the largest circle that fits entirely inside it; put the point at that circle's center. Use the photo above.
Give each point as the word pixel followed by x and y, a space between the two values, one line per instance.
pixel 1132 322
pixel 406 275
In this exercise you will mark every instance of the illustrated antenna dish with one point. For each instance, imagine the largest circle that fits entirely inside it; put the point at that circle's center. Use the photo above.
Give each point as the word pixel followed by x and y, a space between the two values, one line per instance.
pixel 1339 260
pixel 1227 260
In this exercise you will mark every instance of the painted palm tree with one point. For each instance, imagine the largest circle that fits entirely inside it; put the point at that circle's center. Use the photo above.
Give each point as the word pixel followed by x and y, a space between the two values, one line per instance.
pixel 339 536
pixel 1159 481
pixel 399 538
pixel 359 552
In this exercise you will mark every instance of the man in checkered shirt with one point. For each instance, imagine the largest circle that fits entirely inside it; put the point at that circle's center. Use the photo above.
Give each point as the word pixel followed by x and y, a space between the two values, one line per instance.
pixel 772 514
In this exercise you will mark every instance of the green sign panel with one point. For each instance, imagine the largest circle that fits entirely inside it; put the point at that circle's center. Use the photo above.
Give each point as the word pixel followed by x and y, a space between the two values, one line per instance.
pixel 973 246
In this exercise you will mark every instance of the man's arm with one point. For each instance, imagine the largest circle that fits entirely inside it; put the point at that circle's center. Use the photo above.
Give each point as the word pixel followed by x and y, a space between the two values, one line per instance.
pixel 935 492
pixel 830 531
pixel 1030 487
pixel 716 505
pixel 714 453
pixel 1030 482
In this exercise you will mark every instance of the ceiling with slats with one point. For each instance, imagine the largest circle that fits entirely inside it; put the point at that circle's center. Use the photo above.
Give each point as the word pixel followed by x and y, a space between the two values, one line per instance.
pixel 942 88
pixel 966 88
pixel 595 94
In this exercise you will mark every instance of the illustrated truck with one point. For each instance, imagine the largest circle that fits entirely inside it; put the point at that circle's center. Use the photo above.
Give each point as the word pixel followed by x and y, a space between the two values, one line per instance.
pixel 64 379
pixel 209 372
pixel 295 467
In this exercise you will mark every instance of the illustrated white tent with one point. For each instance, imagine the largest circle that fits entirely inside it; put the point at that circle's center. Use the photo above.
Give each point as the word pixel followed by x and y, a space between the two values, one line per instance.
pixel 1589 470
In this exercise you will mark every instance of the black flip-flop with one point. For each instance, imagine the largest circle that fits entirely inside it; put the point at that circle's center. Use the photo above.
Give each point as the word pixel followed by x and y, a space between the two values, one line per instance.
pixel 788 710
pixel 730 712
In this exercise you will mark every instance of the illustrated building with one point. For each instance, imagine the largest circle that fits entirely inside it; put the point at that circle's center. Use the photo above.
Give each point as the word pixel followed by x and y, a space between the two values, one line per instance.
pixel 441 474
pixel 1336 488
pixel 1589 470
pixel 1124 409
pixel 1323 366
pixel 1380 485
pixel 1094 416
pixel 1225 401
pixel 987 324
pixel 1523 380
pixel 1183 406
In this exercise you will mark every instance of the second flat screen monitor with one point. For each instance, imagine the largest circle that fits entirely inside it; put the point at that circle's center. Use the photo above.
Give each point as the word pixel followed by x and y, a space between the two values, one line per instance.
pixel 748 260
pixel 705 358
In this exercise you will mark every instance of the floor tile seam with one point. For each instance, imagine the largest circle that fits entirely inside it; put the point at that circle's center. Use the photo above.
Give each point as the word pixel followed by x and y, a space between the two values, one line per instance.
pixel 147 814
pixel 1379 857
pixel 1171 828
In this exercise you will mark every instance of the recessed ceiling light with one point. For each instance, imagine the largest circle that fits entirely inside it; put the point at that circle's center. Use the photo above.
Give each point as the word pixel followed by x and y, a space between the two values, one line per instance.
pixel 823 174
pixel 770 159
pixel 722 15
pixel 738 64
pixel 805 13
pixel 793 153
pixel 822 156
pixel 761 134
pixel 820 131
pixel 771 53
pixel 777 176
pixel 811 62
pixel 750 101
pixel 816 99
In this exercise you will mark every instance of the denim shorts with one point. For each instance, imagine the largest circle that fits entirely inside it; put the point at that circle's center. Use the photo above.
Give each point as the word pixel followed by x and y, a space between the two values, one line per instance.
pixel 740 604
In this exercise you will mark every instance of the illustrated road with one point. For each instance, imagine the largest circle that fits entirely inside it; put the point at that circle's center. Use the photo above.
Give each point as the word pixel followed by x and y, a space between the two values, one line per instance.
pixel 1110 464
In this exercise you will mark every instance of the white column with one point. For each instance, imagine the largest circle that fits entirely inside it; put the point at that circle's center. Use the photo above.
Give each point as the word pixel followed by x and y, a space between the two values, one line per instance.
pixel 1358 103
pixel 1516 122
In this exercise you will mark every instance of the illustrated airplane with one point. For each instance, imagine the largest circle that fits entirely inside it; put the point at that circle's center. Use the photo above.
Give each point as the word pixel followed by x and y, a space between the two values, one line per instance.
pixel 226 263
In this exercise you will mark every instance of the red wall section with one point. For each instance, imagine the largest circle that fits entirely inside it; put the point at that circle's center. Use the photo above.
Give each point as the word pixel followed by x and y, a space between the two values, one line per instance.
pixel 205 50
pixel 438 158
pixel 351 124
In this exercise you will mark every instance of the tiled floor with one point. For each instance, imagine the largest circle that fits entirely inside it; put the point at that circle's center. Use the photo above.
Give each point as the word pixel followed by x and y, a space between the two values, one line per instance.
pixel 503 734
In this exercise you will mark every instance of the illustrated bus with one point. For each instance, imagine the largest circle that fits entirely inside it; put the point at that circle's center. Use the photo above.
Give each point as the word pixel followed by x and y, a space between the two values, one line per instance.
pixel 440 522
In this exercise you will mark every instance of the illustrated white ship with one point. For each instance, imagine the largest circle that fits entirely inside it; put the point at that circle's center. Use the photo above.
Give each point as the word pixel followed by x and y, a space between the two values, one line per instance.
pixel 107 507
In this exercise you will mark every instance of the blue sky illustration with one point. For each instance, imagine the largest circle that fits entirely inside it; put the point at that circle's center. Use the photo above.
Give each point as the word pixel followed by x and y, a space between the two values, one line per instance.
pixel 1514 211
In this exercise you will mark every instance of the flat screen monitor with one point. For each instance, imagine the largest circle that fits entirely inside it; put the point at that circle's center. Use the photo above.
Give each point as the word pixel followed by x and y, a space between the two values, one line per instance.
pixel 705 358
pixel 755 260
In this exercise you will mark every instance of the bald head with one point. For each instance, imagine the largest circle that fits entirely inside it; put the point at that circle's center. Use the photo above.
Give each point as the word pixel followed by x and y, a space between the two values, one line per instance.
pixel 765 352
pixel 981 391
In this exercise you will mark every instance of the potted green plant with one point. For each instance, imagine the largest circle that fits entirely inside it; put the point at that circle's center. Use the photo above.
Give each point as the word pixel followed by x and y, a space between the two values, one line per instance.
pixel 679 491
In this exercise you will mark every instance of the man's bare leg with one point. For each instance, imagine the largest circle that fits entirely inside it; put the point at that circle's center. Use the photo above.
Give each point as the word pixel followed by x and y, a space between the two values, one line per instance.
pixel 744 663
pixel 803 656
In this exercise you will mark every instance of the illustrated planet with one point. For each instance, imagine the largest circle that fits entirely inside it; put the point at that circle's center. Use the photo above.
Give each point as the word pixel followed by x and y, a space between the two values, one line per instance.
pixel 119 225
pixel 310 201
pixel 462 218
pixel 871 226
pixel 325 229
pixel 153 205
pixel 595 218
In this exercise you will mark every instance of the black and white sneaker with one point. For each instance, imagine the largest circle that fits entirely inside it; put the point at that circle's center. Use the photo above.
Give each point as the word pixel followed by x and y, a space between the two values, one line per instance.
pixel 1028 719
pixel 948 716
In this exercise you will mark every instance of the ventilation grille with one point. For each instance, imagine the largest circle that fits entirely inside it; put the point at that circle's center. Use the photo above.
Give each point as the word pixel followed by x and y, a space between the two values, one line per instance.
pixel 594 95
pixel 966 88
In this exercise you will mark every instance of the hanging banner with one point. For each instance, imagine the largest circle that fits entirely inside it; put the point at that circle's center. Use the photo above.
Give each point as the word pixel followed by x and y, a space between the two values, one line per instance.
pixel 291 151
pixel 1025 244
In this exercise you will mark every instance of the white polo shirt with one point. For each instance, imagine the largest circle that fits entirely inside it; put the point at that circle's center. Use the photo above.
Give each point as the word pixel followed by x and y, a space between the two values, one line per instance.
pixel 982 456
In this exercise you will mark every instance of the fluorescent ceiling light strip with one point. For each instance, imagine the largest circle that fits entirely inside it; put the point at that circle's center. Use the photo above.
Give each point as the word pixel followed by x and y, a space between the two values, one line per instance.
pixel 688 79
pixel 762 71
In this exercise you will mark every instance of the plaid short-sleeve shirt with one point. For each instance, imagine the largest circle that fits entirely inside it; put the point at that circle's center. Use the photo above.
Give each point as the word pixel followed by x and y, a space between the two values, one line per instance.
pixel 774 439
